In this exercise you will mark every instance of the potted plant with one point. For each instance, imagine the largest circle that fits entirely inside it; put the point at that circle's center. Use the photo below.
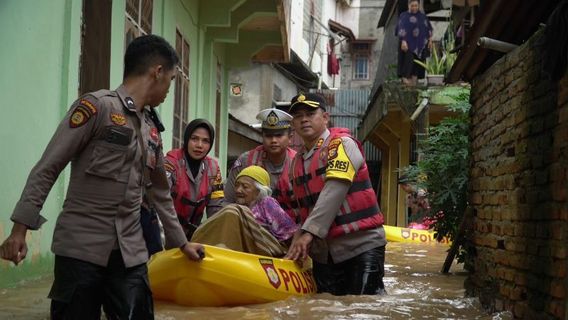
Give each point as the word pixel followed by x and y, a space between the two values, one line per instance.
pixel 439 64
pixel 435 67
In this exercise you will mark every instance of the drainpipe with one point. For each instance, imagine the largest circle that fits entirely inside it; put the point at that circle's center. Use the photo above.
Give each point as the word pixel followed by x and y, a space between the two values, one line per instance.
pixel 420 108
pixel 282 103
pixel 492 44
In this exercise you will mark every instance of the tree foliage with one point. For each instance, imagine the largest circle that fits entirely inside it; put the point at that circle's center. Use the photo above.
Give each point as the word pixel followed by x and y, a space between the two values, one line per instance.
pixel 443 168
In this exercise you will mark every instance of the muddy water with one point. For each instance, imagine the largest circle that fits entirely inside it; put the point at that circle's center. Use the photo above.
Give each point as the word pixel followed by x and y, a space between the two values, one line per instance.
pixel 416 291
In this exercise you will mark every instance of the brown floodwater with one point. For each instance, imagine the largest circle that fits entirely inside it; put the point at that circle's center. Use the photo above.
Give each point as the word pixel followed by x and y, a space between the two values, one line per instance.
pixel 416 290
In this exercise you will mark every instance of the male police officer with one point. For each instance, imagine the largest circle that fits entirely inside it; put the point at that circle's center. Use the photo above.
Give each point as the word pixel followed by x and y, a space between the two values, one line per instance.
pixel 342 222
pixel 115 151
pixel 273 155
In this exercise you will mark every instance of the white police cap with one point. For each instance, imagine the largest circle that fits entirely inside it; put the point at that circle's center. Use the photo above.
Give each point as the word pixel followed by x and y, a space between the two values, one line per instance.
pixel 274 119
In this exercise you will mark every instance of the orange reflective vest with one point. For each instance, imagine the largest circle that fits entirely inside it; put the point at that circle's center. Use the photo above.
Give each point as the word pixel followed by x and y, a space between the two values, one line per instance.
pixel 188 210
pixel 359 211
pixel 282 190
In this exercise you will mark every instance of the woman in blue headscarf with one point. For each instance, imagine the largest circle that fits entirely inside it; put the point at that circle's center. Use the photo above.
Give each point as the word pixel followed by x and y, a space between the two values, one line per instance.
pixel 414 31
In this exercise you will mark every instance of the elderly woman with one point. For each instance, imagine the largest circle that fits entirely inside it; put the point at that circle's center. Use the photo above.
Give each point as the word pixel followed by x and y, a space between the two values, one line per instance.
pixel 256 224
pixel 414 32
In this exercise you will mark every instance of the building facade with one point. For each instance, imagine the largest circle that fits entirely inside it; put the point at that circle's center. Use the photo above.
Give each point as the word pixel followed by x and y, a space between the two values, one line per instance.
pixel 79 46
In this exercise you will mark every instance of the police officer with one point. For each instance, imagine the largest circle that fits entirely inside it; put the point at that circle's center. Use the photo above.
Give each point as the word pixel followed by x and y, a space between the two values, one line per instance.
pixel 341 220
pixel 273 155
pixel 195 178
pixel 115 150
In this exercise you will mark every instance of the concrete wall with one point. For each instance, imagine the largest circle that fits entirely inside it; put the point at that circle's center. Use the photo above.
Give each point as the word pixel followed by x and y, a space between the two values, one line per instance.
pixel 369 14
pixel 257 90
pixel 388 56
pixel 330 9
pixel 518 187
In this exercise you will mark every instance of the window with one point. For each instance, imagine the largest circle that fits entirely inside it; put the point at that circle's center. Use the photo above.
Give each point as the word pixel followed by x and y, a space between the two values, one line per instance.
pixel 138 19
pixel 361 47
pixel 181 95
pixel 95 59
pixel 361 67
pixel 218 107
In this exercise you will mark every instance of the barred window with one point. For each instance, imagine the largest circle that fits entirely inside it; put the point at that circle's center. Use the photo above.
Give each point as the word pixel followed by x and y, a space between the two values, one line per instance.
pixel 218 106
pixel 361 67
pixel 181 94
pixel 138 19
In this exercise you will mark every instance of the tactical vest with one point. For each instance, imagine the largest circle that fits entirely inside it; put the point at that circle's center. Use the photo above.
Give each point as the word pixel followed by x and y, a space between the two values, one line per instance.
pixel 190 211
pixel 359 211
pixel 282 190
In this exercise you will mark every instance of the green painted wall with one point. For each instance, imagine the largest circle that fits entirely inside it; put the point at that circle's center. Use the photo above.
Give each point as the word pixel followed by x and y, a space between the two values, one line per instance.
pixel 42 81
pixel 40 59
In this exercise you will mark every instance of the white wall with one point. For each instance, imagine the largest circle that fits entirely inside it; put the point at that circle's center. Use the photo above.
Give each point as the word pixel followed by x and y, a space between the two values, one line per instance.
pixel 331 9
pixel 246 106
pixel 257 82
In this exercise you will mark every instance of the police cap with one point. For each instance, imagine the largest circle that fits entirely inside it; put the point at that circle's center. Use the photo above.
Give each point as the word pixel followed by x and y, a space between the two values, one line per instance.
pixel 274 119
pixel 312 100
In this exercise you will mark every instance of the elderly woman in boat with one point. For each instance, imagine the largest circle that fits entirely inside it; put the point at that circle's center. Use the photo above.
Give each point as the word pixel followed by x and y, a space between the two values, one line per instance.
pixel 256 224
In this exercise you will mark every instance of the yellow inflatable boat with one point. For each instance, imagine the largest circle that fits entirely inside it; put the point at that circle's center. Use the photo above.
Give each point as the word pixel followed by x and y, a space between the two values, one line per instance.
pixel 226 278
pixel 398 234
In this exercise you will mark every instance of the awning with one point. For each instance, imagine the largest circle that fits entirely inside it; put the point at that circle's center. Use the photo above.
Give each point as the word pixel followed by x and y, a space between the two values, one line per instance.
pixel 341 29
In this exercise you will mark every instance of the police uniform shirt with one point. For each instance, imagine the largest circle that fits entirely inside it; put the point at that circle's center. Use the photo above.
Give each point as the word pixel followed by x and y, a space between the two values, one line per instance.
pixel 337 183
pixel 101 212
pixel 215 192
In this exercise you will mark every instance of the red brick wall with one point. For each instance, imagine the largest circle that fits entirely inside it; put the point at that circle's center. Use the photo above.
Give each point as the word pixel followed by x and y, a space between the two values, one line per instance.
pixel 518 187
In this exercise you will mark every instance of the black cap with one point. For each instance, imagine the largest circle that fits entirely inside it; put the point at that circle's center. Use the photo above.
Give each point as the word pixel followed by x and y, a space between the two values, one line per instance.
pixel 312 100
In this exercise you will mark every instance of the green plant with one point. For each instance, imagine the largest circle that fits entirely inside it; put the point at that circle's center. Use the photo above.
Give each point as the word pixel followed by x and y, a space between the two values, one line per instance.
pixel 392 71
pixel 436 64
pixel 444 169
pixel 441 63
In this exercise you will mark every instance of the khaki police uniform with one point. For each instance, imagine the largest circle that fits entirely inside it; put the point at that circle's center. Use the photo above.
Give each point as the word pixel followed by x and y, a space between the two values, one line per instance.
pixel 272 119
pixel 352 263
pixel 101 136
pixel 325 210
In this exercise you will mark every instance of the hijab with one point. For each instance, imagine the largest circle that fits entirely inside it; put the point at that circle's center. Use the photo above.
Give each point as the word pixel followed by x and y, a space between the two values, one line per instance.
pixel 194 164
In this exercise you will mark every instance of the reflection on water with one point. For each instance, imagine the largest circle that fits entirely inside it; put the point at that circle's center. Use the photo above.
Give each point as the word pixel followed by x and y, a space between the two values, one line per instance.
pixel 416 290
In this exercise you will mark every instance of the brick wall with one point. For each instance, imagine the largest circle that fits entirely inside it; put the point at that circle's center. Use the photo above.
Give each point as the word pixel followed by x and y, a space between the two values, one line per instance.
pixel 518 187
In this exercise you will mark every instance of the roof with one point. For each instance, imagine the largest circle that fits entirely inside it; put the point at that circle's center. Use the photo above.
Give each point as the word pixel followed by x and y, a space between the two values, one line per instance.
pixel 512 21
pixel 340 29
pixel 387 12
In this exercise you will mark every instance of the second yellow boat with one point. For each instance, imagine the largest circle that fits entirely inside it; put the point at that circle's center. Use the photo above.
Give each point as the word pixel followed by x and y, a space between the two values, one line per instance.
pixel 398 234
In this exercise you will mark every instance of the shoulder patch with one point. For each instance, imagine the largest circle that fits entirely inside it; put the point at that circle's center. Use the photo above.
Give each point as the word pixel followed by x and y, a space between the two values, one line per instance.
pixel 218 179
pixel 332 148
pixel 118 119
pixel 82 113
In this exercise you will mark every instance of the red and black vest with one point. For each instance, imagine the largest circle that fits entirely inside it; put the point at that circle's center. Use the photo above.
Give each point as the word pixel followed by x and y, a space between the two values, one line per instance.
pixel 189 207
pixel 282 190
pixel 359 211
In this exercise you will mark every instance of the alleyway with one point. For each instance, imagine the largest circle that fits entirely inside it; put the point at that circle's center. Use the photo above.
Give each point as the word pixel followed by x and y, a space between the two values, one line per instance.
pixel 416 291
